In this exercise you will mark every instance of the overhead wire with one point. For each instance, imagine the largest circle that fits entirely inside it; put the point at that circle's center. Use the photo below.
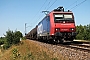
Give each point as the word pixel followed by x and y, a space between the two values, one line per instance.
pixel 40 8
pixel 72 4
pixel 48 4
pixel 48 7
pixel 78 5
pixel 45 8
pixel 51 5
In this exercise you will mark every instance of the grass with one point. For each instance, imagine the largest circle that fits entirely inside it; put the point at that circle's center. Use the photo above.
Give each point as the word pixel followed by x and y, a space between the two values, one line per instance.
pixel 29 50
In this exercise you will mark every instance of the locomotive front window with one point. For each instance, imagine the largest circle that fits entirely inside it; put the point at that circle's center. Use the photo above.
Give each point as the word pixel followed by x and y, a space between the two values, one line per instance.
pixel 68 16
pixel 63 17
pixel 58 17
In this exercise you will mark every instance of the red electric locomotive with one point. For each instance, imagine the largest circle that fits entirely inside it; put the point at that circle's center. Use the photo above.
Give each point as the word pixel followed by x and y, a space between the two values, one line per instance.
pixel 58 25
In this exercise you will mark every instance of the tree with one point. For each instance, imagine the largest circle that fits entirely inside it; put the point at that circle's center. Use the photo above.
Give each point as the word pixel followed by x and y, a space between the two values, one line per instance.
pixel 79 30
pixel 9 39
pixel 12 38
pixel 83 32
pixel 17 36
pixel 2 40
pixel 9 36
pixel 88 31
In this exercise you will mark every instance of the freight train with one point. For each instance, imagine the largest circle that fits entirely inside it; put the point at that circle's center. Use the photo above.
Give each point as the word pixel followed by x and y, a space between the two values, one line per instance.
pixel 58 25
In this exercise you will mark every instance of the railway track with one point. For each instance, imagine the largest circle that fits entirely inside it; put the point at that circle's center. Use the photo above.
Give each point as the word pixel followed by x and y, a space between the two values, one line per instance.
pixel 82 46
pixel 77 46
pixel 72 50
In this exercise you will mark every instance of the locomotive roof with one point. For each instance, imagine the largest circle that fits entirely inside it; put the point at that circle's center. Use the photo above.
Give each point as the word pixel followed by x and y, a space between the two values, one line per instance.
pixel 61 12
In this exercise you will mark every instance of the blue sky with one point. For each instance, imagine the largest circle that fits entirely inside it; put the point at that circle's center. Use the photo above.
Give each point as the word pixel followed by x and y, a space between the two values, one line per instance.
pixel 15 13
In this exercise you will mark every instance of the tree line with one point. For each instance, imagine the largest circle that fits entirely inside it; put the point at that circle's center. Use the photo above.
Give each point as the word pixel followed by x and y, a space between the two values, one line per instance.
pixel 83 32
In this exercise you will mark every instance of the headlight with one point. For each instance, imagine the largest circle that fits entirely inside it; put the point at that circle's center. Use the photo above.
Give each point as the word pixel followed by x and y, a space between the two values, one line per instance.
pixel 72 29
pixel 57 29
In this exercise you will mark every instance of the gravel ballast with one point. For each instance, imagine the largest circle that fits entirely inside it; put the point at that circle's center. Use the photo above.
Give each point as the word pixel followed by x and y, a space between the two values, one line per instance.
pixel 72 54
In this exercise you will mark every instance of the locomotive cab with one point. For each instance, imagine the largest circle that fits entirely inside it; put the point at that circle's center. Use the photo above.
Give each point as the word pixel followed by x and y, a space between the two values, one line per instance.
pixel 62 24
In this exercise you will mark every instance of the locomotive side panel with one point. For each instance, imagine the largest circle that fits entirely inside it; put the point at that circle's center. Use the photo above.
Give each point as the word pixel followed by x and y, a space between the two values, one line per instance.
pixel 43 28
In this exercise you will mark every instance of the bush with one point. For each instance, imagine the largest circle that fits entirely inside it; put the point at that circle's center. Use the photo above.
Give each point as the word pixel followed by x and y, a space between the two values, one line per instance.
pixel 6 46
pixel 15 53
pixel 17 36
pixel 12 38
pixel 83 32
pixel 9 37
pixel 23 38
pixel 2 40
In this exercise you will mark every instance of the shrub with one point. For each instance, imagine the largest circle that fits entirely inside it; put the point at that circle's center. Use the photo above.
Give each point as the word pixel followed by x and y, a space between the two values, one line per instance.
pixel 12 38
pixel 15 53
pixel 2 40
pixel 6 46
pixel 17 36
